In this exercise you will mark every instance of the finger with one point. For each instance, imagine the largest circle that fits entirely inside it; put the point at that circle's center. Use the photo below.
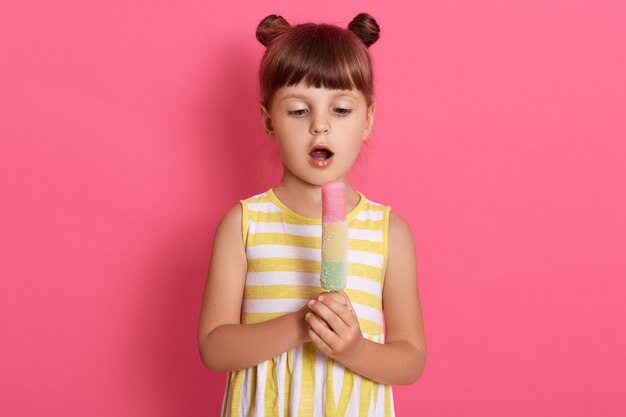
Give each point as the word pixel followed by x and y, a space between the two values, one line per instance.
pixel 348 302
pixel 331 311
pixel 309 305
pixel 320 328
pixel 340 297
pixel 319 343
pixel 345 312
pixel 345 296
pixel 327 314
pixel 322 321
pixel 340 307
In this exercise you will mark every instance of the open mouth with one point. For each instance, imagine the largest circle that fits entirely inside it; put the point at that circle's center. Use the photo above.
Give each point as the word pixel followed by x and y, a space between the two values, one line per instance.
pixel 320 156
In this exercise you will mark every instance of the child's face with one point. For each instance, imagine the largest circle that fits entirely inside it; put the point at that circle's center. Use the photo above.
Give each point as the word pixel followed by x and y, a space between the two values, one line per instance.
pixel 303 119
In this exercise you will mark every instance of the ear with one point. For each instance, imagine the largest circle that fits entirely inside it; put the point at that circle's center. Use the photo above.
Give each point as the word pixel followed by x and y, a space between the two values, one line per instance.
pixel 369 121
pixel 267 122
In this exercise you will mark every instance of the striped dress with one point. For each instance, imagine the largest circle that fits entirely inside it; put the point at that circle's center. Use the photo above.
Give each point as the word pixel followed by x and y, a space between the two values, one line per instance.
pixel 283 252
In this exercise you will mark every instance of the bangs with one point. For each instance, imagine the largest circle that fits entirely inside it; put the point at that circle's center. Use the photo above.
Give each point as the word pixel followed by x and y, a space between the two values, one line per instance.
pixel 321 56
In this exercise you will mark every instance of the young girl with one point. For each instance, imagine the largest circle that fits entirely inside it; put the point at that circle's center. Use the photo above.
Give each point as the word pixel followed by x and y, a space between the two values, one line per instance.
pixel 291 349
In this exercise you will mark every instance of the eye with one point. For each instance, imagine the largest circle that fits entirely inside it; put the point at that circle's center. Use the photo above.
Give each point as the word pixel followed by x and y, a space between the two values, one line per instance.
pixel 342 111
pixel 297 113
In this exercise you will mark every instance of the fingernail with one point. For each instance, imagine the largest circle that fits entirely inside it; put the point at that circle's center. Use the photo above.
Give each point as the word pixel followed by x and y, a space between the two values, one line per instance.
pixel 321 298
pixel 311 302
pixel 307 315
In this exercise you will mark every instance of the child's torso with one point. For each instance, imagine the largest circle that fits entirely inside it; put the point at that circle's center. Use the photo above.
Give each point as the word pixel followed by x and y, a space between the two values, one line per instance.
pixel 283 252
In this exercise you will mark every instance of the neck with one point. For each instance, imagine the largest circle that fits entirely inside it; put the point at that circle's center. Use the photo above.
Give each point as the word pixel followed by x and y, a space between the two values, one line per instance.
pixel 305 198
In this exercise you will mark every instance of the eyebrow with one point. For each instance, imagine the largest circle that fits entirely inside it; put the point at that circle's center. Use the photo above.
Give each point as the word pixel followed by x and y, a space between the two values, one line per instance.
pixel 294 95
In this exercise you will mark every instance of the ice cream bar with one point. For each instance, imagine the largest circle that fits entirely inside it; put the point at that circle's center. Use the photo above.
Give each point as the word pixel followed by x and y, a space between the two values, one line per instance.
pixel 334 236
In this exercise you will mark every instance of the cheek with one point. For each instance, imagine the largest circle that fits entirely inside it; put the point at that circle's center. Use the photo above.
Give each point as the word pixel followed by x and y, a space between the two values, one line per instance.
pixel 289 149
pixel 355 133
pixel 288 130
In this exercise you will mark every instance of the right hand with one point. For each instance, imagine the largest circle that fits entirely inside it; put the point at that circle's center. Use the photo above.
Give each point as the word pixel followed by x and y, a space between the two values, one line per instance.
pixel 304 328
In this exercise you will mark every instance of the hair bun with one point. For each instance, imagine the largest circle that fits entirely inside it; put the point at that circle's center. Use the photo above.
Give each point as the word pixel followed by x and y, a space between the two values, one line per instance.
pixel 365 27
pixel 270 27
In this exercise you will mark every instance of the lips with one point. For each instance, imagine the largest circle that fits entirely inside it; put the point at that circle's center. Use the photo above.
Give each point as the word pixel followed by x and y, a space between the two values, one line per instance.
pixel 320 156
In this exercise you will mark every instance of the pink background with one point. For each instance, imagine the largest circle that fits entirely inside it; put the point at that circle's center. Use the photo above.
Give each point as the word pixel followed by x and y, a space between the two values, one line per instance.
pixel 128 128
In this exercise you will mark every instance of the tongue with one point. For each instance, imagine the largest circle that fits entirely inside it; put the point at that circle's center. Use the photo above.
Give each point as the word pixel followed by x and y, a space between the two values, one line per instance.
pixel 320 154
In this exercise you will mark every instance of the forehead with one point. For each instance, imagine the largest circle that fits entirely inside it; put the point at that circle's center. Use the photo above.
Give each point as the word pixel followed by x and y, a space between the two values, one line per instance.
pixel 303 91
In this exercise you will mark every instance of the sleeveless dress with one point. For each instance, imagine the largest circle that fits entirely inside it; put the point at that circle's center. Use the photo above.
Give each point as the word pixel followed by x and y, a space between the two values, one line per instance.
pixel 283 250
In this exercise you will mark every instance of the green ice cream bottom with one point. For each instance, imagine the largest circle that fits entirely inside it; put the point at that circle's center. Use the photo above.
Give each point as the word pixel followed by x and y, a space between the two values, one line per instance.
pixel 333 275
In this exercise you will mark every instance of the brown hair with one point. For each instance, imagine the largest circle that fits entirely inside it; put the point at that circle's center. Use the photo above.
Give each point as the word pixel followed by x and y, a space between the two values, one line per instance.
pixel 321 55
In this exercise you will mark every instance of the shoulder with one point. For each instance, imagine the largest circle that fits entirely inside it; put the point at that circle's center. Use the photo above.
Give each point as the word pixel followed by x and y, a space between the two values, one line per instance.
pixel 233 215
pixel 236 216
pixel 400 234
pixel 401 262
pixel 232 218
pixel 229 229
pixel 397 227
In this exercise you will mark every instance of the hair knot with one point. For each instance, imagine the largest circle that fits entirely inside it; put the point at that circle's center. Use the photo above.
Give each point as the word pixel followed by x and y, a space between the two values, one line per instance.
pixel 365 27
pixel 270 27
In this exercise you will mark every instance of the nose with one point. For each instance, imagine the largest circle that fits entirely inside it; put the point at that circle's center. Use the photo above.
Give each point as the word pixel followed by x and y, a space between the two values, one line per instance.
pixel 319 125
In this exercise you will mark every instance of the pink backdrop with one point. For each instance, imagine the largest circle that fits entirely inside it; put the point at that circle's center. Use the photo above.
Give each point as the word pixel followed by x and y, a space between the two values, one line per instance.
pixel 128 128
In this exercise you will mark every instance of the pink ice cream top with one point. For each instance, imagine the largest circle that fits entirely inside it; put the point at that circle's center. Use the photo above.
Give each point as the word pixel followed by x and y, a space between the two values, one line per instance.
pixel 333 202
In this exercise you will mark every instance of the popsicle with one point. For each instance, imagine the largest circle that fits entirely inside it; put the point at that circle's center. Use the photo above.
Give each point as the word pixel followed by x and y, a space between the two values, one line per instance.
pixel 334 236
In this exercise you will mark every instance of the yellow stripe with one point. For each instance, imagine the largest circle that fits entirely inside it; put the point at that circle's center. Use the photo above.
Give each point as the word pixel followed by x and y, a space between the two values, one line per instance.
pixel 260 199
pixel 273 292
pixel 272 217
pixel 253 384
pixel 346 391
pixel 329 400
pixel 263 292
pixel 365 271
pixel 373 207
pixel 283 264
pixel 370 327
pixel 365 398
pixel 236 398
pixel 309 266
pixel 385 242
pixel 365 246
pixel 271 390
pixel 307 386
pixel 364 298
pixel 365 224
pixel 269 238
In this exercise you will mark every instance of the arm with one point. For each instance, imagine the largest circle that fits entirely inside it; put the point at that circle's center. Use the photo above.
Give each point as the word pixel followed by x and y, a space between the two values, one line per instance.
pixel 401 360
pixel 225 344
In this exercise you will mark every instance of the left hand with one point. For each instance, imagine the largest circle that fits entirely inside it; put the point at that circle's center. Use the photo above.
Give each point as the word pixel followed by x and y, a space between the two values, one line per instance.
pixel 334 328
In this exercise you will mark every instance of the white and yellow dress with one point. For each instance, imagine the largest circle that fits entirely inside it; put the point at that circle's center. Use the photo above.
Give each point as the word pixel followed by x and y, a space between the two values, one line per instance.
pixel 283 252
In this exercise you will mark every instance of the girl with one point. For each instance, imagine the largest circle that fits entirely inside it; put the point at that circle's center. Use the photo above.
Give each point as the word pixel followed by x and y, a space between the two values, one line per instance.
pixel 291 349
